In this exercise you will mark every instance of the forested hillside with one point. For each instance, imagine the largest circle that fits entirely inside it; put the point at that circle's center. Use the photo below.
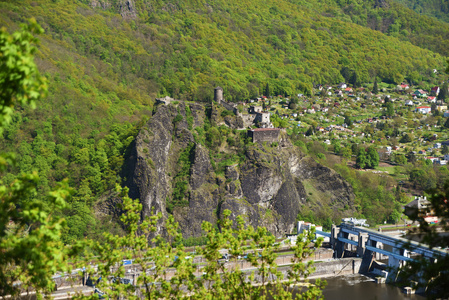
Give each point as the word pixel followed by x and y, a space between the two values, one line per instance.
pixel 106 61
pixel 432 8
pixel 393 19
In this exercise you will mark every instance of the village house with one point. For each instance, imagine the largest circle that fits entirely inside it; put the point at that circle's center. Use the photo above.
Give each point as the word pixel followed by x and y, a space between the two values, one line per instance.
pixel 424 109
pixel 342 85
pixel 441 162
pixel 446 114
pixel 442 108
pixel 420 206
pixel 435 90
pixel 431 99
pixel 420 93
pixel 403 86
pixel 431 158
pixel 408 102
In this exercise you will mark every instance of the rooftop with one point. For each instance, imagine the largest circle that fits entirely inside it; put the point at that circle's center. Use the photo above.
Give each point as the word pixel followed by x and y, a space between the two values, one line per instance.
pixel 264 129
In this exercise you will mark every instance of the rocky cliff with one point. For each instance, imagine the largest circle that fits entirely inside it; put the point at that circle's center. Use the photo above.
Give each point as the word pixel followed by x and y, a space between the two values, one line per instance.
pixel 267 184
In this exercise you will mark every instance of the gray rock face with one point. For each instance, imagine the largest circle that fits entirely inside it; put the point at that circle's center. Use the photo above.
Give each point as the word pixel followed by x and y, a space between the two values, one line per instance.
pixel 149 181
pixel 269 188
pixel 104 4
pixel 126 9
pixel 200 168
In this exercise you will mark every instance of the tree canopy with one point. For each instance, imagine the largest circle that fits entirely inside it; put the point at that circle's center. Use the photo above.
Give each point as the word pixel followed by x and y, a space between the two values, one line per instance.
pixel 30 245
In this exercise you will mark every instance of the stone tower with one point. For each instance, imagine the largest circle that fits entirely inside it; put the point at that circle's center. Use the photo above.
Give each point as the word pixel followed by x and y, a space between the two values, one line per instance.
pixel 218 94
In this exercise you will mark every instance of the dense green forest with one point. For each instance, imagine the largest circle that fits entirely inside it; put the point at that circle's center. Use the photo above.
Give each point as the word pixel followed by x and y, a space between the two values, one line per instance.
pixel 432 8
pixel 395 20
pixel 106 63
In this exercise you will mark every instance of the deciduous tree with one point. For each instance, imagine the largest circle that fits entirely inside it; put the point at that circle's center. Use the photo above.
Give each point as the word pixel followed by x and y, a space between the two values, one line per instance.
pixel 375 87
pixel 361 159
pixel 214 278
pixel 443 92
pixel 30 245
pixel 431 274
pixel 372 157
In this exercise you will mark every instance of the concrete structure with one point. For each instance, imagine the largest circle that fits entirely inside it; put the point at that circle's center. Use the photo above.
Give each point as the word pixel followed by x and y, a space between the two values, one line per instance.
pixel 264 135
pixel 370 245
pixel 306 226
pixel 218 94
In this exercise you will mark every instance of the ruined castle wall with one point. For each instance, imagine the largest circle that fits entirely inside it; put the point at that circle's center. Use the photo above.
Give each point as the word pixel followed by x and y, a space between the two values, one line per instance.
pixel 228 106
pixel 270 135
pixel 248 119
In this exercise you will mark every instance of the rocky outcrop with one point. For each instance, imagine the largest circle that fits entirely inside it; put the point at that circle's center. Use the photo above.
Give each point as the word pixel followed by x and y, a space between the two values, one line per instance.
pixel 104 4
pixel 201 167
pixel 126 9
pixel 148 178
pixel 269 187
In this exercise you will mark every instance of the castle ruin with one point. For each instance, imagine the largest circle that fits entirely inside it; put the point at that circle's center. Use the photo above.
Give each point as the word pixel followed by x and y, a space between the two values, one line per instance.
pixel 270 135
pixel 218 94
pixel 255 114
